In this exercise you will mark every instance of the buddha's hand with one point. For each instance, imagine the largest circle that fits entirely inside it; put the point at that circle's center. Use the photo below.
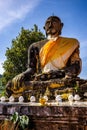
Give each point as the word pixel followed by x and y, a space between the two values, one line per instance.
pixel 50 75
pixel 17 81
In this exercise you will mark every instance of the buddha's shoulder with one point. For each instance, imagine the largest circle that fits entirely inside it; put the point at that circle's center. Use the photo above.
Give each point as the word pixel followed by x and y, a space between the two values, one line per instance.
pixel 68 39
pixel 39 44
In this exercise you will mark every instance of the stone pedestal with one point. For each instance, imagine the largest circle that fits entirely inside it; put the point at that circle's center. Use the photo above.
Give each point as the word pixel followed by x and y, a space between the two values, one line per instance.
pixel 49 117
pixel 49 88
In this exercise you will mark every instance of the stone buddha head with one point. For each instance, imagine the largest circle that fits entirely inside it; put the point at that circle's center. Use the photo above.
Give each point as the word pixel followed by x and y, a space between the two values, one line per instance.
pixel 53 26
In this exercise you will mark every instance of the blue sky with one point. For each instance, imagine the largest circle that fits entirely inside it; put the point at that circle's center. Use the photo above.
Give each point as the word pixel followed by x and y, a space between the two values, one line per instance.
pixel 15 14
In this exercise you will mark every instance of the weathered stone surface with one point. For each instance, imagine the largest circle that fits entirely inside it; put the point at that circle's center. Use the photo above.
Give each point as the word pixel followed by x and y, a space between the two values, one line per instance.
pixel 50 88
pixel 53 86
pixel 49 117
pixel 53 117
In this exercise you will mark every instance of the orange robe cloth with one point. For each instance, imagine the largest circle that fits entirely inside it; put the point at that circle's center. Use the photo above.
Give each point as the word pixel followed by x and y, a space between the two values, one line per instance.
pixel 54 50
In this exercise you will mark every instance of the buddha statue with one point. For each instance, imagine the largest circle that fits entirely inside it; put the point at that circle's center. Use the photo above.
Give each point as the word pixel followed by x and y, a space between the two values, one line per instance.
pixel 56 57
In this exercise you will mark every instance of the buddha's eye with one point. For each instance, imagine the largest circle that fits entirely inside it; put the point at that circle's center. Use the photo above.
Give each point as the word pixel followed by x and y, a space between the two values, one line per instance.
pixel 47 23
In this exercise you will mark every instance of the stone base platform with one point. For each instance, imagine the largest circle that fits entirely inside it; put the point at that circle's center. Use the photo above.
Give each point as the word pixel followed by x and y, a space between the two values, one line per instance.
pixel 49 117
pixel 49 88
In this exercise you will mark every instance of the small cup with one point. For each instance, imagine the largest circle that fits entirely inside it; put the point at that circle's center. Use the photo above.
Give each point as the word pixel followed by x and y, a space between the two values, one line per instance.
pixel 58 98
pixel 32 99
pixel 21 99
pixel 11 99
pixel 77 97
pixel 3 99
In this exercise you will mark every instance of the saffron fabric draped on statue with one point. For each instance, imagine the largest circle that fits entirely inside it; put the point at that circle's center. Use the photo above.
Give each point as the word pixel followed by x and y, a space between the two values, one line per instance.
pixel 55 53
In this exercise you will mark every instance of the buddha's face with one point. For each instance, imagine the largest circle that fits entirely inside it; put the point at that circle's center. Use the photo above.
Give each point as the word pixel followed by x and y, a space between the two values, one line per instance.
pixel 53 26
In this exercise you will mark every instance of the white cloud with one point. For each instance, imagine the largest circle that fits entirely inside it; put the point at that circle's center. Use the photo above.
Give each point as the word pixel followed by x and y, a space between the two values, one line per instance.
pixel 11 10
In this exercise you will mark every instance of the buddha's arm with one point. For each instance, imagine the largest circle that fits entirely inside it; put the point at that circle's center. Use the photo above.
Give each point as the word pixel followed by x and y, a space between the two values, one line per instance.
pixel 33 56
pixel 17 81
pixel 74 64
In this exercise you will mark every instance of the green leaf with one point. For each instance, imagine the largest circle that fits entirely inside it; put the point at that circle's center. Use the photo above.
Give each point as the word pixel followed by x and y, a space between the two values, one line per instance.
pixel 24 121
pixel 14 117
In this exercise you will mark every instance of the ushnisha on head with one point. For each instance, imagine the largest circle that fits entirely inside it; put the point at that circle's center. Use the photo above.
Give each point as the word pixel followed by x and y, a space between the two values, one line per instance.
pixel 53 26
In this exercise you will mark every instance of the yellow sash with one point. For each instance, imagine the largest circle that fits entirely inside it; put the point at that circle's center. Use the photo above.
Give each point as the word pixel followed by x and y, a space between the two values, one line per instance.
pixel 55 49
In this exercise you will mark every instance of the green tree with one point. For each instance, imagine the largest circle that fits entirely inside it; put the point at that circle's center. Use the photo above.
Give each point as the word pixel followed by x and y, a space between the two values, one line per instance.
pixel 17 55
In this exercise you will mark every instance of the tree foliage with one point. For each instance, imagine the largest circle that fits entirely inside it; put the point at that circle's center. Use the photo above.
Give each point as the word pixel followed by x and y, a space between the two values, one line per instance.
pixel 17 55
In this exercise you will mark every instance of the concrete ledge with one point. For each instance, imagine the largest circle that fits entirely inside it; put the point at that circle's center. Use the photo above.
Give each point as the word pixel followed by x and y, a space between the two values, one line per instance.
pixel 55 117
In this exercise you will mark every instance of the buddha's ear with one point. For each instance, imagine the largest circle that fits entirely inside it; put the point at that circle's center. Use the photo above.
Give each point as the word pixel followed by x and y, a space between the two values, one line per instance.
pixel 60 28
pixel 62 24
pixel 44 27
